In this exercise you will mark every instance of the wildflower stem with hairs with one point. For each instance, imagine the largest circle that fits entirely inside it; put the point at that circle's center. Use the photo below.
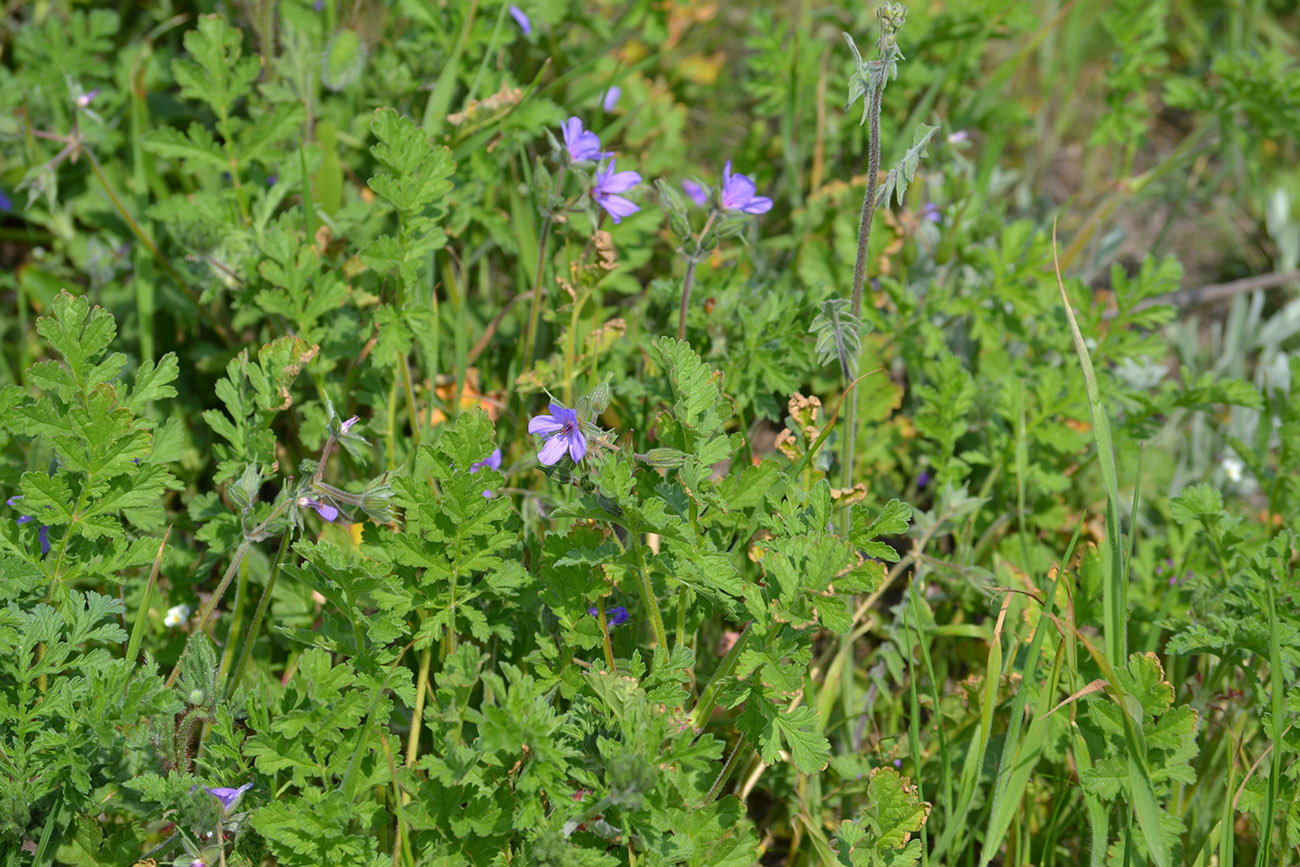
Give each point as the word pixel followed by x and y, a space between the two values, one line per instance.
pixel 689 278
pixel 604 633
pixel 647 589
pixel 890 19
pixel 251 637
pixel 534 309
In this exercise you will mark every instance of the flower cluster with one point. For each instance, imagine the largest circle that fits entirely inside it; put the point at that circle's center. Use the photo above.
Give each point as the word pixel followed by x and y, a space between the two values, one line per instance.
pixel 739 193
pixel 583 145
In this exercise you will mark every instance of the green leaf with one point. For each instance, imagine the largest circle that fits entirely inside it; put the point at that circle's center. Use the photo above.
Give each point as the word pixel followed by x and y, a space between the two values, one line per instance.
pixel 902 174
pixel 414 172
pixel 195 148
pixel 81 334
pixel 215 73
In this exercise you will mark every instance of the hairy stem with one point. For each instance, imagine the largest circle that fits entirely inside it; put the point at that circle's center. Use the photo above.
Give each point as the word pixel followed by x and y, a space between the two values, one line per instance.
pixel 647 589
pixel 604 633
pixel 860 265
pixel 534 310
pixel 251 638
pixel 422 680
pixel 688 280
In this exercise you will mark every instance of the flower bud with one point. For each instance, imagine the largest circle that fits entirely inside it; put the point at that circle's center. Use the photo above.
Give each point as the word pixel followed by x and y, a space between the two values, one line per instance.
pixel 598 400
pixel 375 500
pixel 243 493
pixel 197 696
pixel 665 458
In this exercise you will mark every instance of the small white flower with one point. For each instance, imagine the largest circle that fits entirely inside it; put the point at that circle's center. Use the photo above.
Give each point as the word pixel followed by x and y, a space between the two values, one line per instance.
pixel 176 615
pixel 1232 468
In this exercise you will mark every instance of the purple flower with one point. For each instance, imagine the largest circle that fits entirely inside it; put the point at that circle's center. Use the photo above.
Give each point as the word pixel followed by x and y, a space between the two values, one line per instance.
pixel 610 182
pixel 319 5
pixel 738 194
pixel 930 212
pixel 43 533
pixel 521 19
pixel 227 797
pixel 84 100
pixel 271 179
pixel 898 763
pixel 611 97
pixel 325 510
pixel 615 616
pixel 958 137
pixel 923 479
pixel 562 434
pixel 581 144
pixel 696 193
pixel 492 462
pixel 5 204
pixel 347 425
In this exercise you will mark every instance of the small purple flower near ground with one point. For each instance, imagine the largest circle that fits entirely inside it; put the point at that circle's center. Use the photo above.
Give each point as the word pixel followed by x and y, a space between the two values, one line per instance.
pixel 923 480
pixel 611 97
pixel 325 510
pixel 347 425
pixel 84 100
pixel 271 179
pixel 615 616
pixel 739 194
pixel 582 144
pixel 492 462
pixel 227 797
pixel 930 212
pixel 5 204
pixel 696 193
pixel 898 763
pixel 608 184
pixel 521 19
pixel 562 434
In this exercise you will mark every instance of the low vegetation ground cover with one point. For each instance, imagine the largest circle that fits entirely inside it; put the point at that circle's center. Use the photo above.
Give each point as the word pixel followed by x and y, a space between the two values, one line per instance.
pixel 649 433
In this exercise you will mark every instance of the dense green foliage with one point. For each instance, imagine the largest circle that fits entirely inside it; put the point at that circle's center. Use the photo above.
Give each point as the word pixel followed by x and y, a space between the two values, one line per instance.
pixel 983 554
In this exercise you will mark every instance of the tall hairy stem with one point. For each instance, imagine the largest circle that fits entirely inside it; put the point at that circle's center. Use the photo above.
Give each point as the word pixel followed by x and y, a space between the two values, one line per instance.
pixel 860 266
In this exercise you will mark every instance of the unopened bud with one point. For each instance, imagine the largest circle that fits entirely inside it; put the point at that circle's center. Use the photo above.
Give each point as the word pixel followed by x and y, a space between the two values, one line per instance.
pixel 665 458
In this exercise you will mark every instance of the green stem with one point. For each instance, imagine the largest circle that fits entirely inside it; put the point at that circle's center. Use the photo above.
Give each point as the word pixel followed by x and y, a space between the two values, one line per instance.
pixel 535 307
pixel 251 637
pixel 860 265
pixel 648 601
pixel 410 401
pixel 422 680
pixel 604 633
pixel 686 298
pixel 236 619
pixel 709 696
pixel 688 280
pixel 725 773
pixel 206 613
